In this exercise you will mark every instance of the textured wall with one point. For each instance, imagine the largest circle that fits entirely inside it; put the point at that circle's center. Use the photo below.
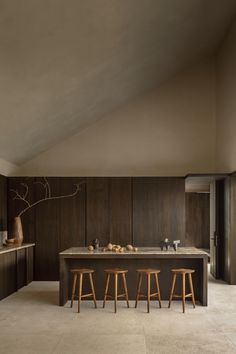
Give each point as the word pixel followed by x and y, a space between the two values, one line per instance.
pixel 3 203
pixel 168 132
pixel 226 103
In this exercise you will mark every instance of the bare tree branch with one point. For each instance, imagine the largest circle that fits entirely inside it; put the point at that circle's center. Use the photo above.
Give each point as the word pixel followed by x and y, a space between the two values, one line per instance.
pixel 48 195
pixel 19 197
pixel 44 186
pixel 26 190
pixel 48 187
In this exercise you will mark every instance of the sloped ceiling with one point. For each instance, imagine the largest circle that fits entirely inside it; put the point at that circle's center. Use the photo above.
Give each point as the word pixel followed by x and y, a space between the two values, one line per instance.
pixel 67 63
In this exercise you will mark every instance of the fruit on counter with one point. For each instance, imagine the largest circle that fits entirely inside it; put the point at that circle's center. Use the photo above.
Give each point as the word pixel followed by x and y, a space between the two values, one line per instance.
pixel 109 246
pixel 129 248
pixel 90 248
pixel 118 248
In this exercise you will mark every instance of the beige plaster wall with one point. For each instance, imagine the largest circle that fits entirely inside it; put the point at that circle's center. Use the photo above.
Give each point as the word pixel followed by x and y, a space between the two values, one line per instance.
pixel 170 131
pixel 226 103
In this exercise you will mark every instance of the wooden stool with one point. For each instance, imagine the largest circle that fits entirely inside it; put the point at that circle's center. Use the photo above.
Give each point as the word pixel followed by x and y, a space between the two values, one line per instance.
pixel 183 272
pixel 148 272
pixel 116 272
pixel 81 273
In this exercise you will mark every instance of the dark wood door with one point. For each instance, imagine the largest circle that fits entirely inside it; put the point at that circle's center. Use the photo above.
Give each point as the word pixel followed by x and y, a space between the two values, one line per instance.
pixel 217 228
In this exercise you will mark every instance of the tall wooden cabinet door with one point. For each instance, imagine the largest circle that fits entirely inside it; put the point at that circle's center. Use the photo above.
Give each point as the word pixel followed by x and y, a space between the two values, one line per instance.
pixel 7 274
pixel 21 267
pixel 72 213
pixel 158 210
pixel 98 210
pixel 217 226
pixel 47 233
pixel 120 197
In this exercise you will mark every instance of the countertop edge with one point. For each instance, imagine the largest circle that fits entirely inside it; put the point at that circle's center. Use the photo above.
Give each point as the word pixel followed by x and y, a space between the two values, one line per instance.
pixel 7 249
pixel 81 253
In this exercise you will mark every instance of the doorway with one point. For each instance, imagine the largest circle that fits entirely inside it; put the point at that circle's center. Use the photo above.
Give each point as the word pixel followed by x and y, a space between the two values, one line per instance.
pixel 205 218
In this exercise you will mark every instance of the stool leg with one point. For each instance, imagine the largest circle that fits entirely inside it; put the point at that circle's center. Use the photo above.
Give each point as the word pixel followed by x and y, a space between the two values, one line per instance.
pixel 116 286
pixel 148 293
pixel 158 290
pixel 73 289
pixel 92 288
pixel 191 289
pixel 183 291
pixel 80 290
pixel 126 290
pixel 140 277
pixel 106 289
pixel 172 289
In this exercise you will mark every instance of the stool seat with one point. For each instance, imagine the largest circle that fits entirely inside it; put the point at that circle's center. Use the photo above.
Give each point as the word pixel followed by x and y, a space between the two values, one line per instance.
pixel 116 271
pixel 183 271
pixel 82 271
pixel 149 271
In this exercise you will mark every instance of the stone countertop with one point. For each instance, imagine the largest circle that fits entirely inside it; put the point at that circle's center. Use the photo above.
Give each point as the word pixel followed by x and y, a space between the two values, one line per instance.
pixel 12 248
pixel 143 252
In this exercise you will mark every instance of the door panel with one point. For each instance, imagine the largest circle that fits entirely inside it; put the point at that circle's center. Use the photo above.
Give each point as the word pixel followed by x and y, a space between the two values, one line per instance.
pixel 217 227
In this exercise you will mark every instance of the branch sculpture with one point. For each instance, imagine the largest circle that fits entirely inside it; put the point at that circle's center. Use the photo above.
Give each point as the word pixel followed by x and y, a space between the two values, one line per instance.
pixel 47 196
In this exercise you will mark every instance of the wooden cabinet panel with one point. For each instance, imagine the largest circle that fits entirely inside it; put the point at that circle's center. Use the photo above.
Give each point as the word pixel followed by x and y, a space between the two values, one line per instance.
pixel 7 274
pixel 120 210
pixel 158 210
pixel 109 210
pixel 29 265
pixel 16 270
pixel 72 213
pixel 21 268
pixel 98 210
pixel 197 220
pixel 47 234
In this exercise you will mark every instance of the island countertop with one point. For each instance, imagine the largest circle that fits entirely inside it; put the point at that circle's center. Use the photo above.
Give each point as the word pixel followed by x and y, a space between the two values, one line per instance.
pixel 152 252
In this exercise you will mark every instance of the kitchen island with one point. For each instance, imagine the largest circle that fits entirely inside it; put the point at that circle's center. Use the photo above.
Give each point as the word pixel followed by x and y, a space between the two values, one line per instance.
pixel 145 257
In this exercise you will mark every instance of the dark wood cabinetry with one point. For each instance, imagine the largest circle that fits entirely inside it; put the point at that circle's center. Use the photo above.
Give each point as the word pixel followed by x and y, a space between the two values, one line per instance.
pixel 197 220
pixel 124 210
pixel 8 277
pixel 158 210
pixel 16 269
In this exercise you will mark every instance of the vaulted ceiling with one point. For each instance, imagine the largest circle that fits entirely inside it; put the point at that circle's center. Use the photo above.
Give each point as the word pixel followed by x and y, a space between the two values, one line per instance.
pixel 67 63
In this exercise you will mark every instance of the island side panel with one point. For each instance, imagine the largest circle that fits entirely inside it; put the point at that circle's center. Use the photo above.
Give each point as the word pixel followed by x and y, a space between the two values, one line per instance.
pixel 132 264
pixel 64 281
pixel 205 281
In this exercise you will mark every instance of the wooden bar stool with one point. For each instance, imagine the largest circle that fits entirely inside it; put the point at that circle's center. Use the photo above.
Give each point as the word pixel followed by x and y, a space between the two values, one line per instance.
pixel 116 272
pixel 182 272
pixel 148 272
pixel 81 273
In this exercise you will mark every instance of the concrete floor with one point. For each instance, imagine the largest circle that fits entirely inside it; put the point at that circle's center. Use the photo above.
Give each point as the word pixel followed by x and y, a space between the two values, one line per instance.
pixel 31 322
